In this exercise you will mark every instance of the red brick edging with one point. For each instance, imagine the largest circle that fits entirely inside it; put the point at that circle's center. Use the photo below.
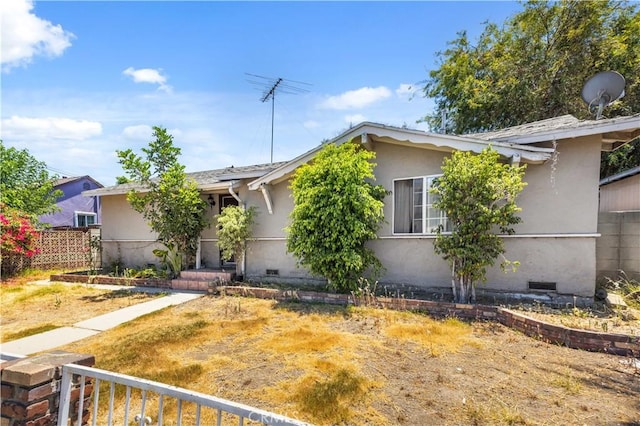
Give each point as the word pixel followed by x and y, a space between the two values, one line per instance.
pixel 103 279
pixel 618 344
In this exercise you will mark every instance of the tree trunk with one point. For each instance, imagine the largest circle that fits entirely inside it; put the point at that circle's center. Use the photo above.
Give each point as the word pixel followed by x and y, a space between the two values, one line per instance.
pixel 453 281
pixel 463 291
pixel 468 289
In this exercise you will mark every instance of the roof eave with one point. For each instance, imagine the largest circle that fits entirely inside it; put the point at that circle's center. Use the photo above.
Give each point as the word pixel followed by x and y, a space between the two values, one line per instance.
pixel 534 155
pixel 118 190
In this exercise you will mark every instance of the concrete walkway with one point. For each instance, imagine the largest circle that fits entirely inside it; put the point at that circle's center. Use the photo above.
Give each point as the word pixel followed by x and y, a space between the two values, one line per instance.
pixel 83 329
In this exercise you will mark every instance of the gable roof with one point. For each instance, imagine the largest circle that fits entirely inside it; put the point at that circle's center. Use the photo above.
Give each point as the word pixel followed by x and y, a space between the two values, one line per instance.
pixel 615 131
pixel 367 132
pixel 65 180
pixel 206 180
pixel 512 142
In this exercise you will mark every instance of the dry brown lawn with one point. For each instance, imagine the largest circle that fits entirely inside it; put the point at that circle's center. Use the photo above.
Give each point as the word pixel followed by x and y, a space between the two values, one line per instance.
pixel 356 365
pixel 27 309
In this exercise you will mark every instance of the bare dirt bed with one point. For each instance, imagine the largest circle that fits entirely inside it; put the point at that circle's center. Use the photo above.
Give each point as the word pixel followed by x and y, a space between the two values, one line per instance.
pixel 599 317
pixel 336 365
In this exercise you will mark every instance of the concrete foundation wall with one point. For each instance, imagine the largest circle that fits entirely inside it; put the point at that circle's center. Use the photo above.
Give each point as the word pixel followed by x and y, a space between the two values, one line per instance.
pixel 567 262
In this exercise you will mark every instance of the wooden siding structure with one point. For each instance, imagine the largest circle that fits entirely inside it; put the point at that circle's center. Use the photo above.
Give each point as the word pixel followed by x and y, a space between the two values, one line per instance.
pixel 621 192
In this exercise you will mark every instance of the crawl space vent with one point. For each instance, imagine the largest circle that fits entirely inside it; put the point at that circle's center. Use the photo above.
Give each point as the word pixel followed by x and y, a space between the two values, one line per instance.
pixel 542 286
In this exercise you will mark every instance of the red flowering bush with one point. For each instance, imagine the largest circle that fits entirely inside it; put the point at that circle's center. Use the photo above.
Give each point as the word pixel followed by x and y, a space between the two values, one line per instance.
pixel 18 235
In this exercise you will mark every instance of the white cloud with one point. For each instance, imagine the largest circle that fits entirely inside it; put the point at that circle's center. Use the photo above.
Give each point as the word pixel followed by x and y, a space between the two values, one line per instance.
pixel 49 128
pixel 139 132
pixel 356 98
pixel 24 35
pixel 148 75
pixel 354 119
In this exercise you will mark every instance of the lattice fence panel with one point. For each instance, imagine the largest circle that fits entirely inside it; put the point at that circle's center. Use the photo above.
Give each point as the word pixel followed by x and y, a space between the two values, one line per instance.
pixel 59 248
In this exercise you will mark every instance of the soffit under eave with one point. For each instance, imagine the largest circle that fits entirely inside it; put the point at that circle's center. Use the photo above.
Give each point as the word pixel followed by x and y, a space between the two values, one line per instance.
pixel 614 140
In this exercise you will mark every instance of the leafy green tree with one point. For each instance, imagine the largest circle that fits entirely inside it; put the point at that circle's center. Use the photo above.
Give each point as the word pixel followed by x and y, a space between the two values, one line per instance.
pixel 168 200
pixel 234 228
pixel 336 211
pixel 533 67
pixel 25 183
pixel 624 158
pixel 478 194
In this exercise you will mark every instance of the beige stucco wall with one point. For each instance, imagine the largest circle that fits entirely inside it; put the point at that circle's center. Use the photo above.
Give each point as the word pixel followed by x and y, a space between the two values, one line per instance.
pixel 555 242
pixel 562 195
pixel 127 239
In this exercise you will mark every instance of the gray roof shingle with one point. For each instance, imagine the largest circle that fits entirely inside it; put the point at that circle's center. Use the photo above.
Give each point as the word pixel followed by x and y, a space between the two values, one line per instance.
pixel 564 123
pixel 203 178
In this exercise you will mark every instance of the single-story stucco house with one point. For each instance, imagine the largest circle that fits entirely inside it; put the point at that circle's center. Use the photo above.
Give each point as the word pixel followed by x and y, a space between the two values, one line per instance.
pixel 555 243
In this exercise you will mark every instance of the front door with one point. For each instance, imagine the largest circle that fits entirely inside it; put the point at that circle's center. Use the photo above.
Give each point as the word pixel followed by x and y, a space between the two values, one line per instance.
pixel 225 201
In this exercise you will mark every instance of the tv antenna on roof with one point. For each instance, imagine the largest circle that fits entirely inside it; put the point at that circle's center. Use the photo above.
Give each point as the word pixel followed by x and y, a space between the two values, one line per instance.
pixel 603 89
pixel 270 86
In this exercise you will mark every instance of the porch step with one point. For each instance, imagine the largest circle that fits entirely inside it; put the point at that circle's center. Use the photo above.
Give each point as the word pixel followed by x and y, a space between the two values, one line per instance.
pixel 201 279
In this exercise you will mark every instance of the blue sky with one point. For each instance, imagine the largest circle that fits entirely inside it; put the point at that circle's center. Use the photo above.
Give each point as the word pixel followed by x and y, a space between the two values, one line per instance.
pixel 82 79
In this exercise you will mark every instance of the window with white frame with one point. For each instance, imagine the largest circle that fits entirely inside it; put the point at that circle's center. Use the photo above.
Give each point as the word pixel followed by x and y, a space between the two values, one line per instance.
pixel 83 219
pixel 413 207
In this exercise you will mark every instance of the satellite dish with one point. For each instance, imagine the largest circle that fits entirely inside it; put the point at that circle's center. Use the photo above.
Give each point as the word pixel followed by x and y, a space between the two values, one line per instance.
pixel 602 89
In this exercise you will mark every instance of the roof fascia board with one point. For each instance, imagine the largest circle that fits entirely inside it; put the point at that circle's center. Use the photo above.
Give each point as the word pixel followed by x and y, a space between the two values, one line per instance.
pixel 114 190
pixel 284 170
pixel 220 185
pixel 243 175
pixel 461 143
pixel 117 190
pixel 418 137
pixel 94 181
pixel 288 168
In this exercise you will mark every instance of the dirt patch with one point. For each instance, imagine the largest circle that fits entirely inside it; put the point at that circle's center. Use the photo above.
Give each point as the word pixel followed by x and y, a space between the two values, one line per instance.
pixel 598 318
pixel 282 356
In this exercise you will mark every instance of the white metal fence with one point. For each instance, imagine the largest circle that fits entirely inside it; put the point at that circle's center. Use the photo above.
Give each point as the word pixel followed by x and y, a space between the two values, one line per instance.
pixel 145 402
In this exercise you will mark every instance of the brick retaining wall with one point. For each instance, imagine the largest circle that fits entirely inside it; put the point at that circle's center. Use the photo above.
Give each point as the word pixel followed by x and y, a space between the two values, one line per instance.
pixel 618 344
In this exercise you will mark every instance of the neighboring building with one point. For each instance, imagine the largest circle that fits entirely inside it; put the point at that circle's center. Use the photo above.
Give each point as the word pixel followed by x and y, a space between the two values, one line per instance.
pixel 555 243
pixel 77 210
pixel 618 248
pixel 621 192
